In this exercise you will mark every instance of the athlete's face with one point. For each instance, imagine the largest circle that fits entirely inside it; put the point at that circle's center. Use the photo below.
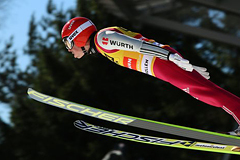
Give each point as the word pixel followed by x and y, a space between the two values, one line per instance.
pixel 78 52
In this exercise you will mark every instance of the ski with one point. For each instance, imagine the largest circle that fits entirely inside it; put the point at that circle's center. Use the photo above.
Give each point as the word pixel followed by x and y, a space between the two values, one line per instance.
pixel 134 121
pixel 192 145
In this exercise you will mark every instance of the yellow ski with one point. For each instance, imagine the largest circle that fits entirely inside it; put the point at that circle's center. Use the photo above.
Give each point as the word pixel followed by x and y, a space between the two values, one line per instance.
pixel 193 145
pixel 188 132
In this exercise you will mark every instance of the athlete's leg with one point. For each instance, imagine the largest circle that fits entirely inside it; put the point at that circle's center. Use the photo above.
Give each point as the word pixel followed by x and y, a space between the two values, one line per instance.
pixel 197 86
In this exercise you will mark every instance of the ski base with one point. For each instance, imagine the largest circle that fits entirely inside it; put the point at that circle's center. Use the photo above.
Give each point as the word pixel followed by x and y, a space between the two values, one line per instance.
pixel 192 145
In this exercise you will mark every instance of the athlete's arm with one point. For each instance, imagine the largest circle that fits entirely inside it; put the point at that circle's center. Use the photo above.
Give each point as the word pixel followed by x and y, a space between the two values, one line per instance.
pixel 111 40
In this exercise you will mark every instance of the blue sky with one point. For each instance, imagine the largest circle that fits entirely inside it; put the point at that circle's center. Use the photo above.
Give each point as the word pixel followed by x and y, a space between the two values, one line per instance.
pixel 15 18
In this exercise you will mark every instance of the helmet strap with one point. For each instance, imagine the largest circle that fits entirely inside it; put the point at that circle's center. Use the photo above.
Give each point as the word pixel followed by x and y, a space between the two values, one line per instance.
pixel 84 51
pixel 92 49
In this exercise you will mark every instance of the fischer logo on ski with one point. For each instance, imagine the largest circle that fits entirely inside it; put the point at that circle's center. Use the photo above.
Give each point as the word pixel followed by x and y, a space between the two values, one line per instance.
pixel 126 135
pixel 194 145
pixel 79 108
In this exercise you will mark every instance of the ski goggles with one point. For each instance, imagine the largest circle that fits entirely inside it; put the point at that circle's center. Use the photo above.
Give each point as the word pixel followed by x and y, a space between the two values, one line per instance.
pixel 68 41
pixel 68 44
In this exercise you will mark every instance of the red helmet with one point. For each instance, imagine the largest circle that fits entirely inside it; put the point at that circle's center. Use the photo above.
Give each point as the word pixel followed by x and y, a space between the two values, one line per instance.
pixel 77 31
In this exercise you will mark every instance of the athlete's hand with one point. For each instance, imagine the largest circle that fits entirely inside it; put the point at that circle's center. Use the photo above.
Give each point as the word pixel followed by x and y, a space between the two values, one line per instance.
pixel 202 71
pixel 184 64
pixel 180 62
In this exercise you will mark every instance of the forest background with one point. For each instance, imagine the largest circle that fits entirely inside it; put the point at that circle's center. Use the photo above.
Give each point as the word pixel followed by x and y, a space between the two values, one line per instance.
pixel 39 131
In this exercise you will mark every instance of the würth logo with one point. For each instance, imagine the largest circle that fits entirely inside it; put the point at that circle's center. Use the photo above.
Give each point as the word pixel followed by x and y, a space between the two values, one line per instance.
pixel 121 44
pixel 105 41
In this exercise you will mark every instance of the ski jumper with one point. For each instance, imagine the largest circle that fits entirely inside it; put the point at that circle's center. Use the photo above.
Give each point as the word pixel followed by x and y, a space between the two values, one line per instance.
pixel 132 50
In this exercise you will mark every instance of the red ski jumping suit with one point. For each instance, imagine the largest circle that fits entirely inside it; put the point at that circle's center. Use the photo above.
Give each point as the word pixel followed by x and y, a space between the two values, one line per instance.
pixel 132 50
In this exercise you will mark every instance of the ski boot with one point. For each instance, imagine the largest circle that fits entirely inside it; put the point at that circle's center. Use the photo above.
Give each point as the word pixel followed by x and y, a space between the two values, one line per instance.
pixel 235 132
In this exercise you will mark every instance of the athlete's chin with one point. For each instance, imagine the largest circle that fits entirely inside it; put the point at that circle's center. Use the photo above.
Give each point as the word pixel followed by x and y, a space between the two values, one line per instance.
pixel 77 57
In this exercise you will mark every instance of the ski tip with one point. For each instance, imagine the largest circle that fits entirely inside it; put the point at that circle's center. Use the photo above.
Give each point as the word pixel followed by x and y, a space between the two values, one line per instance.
pixel 80 124
pixel 29 90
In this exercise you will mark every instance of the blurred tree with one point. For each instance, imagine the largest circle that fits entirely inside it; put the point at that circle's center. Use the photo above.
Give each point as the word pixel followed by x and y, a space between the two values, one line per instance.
pixel 12 84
